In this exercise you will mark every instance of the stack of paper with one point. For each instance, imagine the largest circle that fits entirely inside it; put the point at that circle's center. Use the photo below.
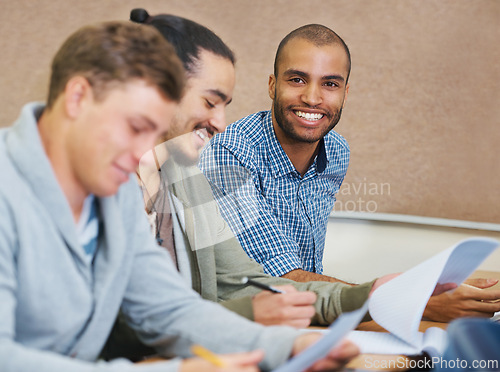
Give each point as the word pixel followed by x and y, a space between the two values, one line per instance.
pixel 399 304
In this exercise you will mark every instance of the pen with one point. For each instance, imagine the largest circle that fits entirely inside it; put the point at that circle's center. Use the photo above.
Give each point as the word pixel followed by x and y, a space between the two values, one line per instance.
pixel 246 280
pixel 206 354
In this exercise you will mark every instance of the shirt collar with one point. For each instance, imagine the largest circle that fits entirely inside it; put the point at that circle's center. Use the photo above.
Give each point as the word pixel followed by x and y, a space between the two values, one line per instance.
pixel 280 164
pixel 322 157
pixel 26 151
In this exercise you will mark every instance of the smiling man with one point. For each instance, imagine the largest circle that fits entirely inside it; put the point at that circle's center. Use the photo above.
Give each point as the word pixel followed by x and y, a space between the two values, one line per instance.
pixel 177 194
pixel 75 244
pixel 275 173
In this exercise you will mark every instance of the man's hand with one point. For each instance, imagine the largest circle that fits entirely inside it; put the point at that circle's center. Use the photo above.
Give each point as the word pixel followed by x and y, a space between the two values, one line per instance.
pixel 440 288
pixel 382 280
pixel 468 300
pixel 292 308
pixel 338 357
pixel 237 362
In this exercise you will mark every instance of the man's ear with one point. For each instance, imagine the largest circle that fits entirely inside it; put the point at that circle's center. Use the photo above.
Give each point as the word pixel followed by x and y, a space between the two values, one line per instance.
pixel 76 93
pixel 345 95
pixel 272 86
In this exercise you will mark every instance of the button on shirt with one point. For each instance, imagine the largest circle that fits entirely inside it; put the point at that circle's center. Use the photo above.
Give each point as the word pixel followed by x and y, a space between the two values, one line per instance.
pixel 279 217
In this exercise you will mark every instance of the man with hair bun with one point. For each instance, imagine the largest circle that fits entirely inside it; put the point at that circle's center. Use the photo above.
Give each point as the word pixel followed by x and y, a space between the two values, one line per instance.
pixel 75 244
pixel 206 251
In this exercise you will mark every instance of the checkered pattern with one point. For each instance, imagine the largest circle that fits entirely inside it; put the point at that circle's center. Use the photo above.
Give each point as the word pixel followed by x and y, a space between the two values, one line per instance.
pixel 279 217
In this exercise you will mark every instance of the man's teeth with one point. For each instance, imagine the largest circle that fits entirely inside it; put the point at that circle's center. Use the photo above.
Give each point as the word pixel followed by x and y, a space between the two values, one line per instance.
pixel 200 134
pixel 308 116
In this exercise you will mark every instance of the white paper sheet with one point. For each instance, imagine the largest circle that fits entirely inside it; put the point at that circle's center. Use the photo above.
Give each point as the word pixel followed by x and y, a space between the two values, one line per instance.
pixel 433 341
pixel 399 304
pixel 336 332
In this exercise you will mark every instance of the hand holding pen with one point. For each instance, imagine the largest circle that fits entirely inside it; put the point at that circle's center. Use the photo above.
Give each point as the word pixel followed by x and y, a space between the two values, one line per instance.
pixel 281 305
pixel 247 280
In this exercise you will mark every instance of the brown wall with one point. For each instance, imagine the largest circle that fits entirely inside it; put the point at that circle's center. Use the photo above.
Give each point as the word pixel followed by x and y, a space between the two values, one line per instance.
pixel 424 102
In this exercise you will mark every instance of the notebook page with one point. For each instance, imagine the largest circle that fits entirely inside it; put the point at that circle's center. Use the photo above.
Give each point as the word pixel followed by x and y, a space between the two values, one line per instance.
pixel 381 343
pixel 465 259
pixel 433 341
pixel 399 304
pixel 336 332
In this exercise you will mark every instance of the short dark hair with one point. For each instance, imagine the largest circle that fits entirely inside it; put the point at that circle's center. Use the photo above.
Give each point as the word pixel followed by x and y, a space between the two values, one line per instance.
pixel 188 37
pixel 112 53
pixel 317 34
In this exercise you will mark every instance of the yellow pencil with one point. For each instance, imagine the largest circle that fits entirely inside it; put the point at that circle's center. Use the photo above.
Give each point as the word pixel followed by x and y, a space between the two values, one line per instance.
pixel 206 354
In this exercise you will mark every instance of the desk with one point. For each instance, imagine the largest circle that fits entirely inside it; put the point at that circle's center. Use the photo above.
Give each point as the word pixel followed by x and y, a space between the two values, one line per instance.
pixel 363 361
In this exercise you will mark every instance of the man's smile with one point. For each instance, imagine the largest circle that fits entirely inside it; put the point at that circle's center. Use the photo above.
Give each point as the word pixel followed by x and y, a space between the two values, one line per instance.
pixel 309 115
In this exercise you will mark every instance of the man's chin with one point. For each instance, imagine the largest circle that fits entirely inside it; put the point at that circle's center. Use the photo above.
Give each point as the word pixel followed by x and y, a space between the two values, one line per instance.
pixel 186 155
pixel 186 158
pixel 106 190
pixel 185 150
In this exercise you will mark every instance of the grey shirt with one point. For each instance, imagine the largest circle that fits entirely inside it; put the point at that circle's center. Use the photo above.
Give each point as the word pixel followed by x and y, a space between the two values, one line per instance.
pixel 57 309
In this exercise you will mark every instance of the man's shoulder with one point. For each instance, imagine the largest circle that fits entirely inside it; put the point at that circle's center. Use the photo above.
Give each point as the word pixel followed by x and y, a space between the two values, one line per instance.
pixel 15 191
pixel 247 132
pixel 11 176
pixel 242 142
pixel 337 152
pixel 334 141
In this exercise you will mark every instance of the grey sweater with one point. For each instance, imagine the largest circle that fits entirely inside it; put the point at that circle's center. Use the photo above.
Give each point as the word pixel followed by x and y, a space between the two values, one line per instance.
pixel 218 262
pixel 57 310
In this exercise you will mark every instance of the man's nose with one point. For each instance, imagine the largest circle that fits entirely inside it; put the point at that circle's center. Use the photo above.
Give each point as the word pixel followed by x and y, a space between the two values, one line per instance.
pixel 312 95
pixel 218 120
pixel 141 147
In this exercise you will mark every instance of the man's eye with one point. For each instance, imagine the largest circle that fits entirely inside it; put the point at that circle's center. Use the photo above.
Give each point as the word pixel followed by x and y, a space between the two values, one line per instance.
pixel 135 129
pixel 209 104
pixel 296 80
pixel 331 84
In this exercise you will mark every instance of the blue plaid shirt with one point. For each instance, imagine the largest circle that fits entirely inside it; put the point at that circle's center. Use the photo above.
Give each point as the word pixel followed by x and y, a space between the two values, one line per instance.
pixel 279 217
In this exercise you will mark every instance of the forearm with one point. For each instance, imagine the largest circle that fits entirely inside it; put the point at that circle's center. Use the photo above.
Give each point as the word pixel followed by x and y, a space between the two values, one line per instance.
pixel 180 318
pixel 300 275
pixel 18 358
pixel 333 298
pixel 241 306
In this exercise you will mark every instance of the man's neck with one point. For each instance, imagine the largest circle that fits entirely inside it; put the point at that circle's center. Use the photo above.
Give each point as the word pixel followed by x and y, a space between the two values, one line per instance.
pixel 149 172
pixel 301 154
pixel 53 143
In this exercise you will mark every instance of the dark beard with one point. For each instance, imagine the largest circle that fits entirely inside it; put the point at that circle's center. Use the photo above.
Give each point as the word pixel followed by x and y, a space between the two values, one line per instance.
pixel 288 129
